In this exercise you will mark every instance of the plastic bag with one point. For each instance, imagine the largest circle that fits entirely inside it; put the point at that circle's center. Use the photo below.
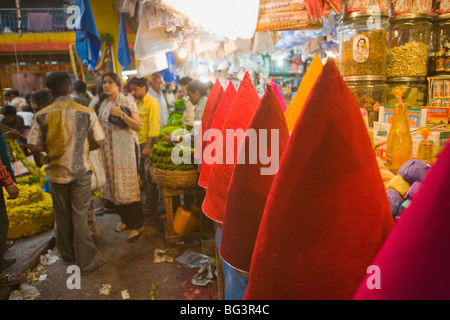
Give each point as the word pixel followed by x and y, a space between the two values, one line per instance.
pixel 152 64
pixel 150 42
pixel 127 6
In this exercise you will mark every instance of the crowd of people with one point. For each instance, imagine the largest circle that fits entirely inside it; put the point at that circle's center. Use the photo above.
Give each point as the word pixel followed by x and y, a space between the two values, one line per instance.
pixel 65 122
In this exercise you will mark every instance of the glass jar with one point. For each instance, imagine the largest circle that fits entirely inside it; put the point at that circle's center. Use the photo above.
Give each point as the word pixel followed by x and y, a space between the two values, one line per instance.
pixel 362 39
pixel 416 93
pixel 440 33
pixel 370 94
pixel 408 45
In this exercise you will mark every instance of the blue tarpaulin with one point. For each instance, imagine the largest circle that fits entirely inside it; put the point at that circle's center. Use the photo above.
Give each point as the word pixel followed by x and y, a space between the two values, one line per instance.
pixel 123 51
pixel 88 43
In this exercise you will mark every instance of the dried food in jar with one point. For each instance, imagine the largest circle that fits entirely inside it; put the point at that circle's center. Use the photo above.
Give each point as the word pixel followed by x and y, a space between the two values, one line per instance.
pixel 373 61
pixel 413 97
pixel 408 60
pixel 369 104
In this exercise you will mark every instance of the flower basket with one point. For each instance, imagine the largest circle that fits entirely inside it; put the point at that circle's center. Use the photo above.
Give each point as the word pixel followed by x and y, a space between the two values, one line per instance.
pixel 174 178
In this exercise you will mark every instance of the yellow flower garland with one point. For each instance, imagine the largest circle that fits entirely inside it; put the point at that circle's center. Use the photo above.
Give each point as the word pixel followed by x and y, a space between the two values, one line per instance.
pixel 31 213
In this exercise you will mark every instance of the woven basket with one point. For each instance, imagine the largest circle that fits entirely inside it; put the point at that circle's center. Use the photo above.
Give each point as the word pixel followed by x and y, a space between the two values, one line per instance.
pixel 174 178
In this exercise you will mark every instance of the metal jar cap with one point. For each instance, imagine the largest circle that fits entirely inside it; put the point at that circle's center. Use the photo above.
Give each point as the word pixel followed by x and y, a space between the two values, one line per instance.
pixel 410 16
pixel 364 78
pixel 407 79
pixel 368 13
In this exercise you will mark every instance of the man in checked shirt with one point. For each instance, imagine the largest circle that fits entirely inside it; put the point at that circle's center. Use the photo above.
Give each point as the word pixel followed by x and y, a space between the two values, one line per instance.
pixel 7 182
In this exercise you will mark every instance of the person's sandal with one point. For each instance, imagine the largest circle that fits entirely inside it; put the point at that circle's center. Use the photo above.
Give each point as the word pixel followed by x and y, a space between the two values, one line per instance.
pixel 12 279
pixel 121 227
pixel 138 236
pixel 9 244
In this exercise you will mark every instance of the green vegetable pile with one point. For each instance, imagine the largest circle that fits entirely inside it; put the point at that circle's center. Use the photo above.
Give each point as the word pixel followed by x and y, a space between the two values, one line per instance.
pixel 161 156
pixel 179 107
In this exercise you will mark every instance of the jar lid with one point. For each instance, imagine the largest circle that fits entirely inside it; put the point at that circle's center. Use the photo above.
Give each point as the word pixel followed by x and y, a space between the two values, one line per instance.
pixel 443 16
pixel 367 13
pixel 408 16
pixel 364 78
pixel 407 79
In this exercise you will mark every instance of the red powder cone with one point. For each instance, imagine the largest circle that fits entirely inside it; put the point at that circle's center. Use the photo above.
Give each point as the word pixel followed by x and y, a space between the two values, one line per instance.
pixel 241 111
pixel 327 212
pixel 214 97
pixel 217 123
pixel 277 92
pixel 248 189
pixel 414 262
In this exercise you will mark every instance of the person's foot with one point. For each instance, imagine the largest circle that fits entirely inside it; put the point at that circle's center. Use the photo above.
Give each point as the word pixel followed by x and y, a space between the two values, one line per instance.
pixel 121 227
pixel 7 279
pixel 135 234
pixel 101 263
pixel 9 244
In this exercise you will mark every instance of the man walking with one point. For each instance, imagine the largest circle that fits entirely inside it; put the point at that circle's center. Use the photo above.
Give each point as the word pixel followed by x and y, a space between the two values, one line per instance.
pixel 66 131
pixel 149 112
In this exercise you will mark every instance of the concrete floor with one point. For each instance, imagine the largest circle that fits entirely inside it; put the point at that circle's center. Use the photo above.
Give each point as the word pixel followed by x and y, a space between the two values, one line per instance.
pixel 128 266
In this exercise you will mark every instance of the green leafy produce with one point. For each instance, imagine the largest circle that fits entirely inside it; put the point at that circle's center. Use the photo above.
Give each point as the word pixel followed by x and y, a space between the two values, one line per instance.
pixel 161 156
pixel 175 120
pixel 180 105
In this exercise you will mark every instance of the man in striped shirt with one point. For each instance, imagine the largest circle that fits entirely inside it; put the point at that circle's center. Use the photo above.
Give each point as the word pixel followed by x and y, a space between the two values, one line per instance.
pixel 67 131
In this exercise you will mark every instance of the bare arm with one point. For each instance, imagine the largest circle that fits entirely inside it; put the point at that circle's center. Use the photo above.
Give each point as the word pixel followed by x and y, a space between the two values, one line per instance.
pixel 147 148
pixel 36 148
pixel 134 122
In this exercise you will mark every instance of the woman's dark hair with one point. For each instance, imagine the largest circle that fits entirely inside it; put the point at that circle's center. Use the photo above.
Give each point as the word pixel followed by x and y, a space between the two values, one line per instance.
pixel 59 83
pixel 102 95
pixel 199 86
pixel 41 98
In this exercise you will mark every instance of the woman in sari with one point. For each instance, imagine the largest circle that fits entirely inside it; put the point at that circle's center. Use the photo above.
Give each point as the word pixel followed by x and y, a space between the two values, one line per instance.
pixel 120 153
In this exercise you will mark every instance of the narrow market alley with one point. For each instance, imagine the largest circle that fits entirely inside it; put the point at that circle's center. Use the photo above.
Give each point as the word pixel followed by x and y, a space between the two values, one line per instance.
pixel 130 271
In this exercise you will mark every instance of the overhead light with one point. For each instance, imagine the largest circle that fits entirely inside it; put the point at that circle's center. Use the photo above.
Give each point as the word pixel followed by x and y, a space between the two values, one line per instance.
pixel 129 73
pixel 182 53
